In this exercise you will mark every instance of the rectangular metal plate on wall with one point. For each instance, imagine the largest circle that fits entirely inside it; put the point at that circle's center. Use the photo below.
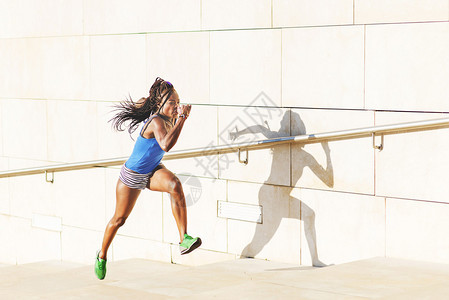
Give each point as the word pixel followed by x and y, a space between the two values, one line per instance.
pixel 240 211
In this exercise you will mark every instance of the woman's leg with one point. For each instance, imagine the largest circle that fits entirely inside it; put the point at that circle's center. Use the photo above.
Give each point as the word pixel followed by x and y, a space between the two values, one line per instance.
pixel 125 200
pixel 163 180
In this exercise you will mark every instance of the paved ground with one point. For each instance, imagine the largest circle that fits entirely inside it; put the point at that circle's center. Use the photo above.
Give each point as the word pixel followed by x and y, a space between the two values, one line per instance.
pixel 237 279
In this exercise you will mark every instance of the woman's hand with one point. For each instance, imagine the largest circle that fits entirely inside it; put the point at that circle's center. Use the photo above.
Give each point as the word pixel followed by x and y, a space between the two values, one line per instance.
pixel 184 110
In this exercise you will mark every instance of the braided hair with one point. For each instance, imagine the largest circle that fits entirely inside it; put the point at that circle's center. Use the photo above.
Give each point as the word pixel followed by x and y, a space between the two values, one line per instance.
pixel 137 112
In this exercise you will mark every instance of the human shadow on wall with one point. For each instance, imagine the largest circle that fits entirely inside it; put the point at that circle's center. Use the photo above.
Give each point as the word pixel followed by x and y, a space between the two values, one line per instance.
pixel 264 234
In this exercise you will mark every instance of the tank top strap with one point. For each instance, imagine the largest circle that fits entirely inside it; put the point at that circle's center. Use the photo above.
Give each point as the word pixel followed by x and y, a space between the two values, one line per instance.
pixel 147 122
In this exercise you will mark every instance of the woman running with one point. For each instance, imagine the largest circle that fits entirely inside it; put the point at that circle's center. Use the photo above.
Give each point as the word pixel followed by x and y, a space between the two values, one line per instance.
pixel 164 119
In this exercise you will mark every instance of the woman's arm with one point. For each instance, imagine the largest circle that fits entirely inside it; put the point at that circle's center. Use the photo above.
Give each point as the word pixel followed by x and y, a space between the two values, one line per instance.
pixel 167 139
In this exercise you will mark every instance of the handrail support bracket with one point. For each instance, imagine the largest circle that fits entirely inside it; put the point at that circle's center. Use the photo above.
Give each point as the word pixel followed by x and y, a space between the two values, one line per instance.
pixel 381 146
pixel 52 180
pixel 246 159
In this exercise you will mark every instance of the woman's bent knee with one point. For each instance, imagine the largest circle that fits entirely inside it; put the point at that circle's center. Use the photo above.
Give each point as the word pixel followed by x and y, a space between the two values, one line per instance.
pixel 118 222
pixel 175 185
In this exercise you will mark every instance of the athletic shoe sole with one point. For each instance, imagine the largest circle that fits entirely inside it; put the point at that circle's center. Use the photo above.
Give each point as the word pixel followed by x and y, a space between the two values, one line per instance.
pixel 193 247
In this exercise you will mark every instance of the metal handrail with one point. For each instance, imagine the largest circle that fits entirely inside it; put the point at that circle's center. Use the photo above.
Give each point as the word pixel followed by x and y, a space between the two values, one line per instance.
pixel 261 144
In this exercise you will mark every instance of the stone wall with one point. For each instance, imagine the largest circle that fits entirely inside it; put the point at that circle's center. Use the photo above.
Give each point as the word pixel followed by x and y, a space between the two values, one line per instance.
pixel 252 70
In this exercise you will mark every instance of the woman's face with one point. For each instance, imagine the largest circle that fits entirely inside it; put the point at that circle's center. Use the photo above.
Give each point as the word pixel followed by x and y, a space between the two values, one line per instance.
pixel 170 107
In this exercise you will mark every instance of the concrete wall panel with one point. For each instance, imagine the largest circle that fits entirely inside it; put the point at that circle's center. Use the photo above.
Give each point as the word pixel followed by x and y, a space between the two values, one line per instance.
pixel 235 14
pixel 202 166
pixel 30 18
pixel 5 205
pixel 413 165
pixel 31 194
pixel 8 249
pixel 201 200
pixel 243 64
pixel 417 230
pixel 267 165
pixel 277 238
pixel 323 67
pixel 346 165
pixel 8 63
pixel 239 125
pixel 22 68
pixel 407 67
pixel 287 13
pixel 117 67
pixel 3 164
pixel 45 245
pixel 199 130
pixel 28 194
pixel 182 59
pixel 342 227
pixel 385 11
pixel 80 198
pixel 48 68
pixel 80 245
pixel 106 16
pixel 111 143
pixel 65 68
pixel 72 134
pixel 23 163
pixel 24 130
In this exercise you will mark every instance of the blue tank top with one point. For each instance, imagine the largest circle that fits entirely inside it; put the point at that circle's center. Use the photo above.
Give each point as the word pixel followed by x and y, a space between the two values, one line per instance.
pixel 146 155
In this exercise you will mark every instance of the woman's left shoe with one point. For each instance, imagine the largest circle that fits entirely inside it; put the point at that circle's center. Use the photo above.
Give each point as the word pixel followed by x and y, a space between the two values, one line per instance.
pixel 100 267
pixel 189 244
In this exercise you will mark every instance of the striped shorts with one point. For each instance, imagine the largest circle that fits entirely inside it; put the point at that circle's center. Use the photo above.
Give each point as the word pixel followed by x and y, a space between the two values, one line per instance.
pixel 136 180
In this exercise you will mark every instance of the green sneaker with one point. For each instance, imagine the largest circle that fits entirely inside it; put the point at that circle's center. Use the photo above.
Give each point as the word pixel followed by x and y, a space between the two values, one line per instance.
pixel 189 244
pixel 100 267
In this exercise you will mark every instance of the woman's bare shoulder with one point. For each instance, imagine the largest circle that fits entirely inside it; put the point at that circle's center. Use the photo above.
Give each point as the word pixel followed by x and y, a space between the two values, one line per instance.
pixel 157 121
pixel 157 124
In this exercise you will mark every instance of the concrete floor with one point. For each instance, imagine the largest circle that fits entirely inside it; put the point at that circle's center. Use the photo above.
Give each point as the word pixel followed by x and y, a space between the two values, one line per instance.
pixel 239 279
